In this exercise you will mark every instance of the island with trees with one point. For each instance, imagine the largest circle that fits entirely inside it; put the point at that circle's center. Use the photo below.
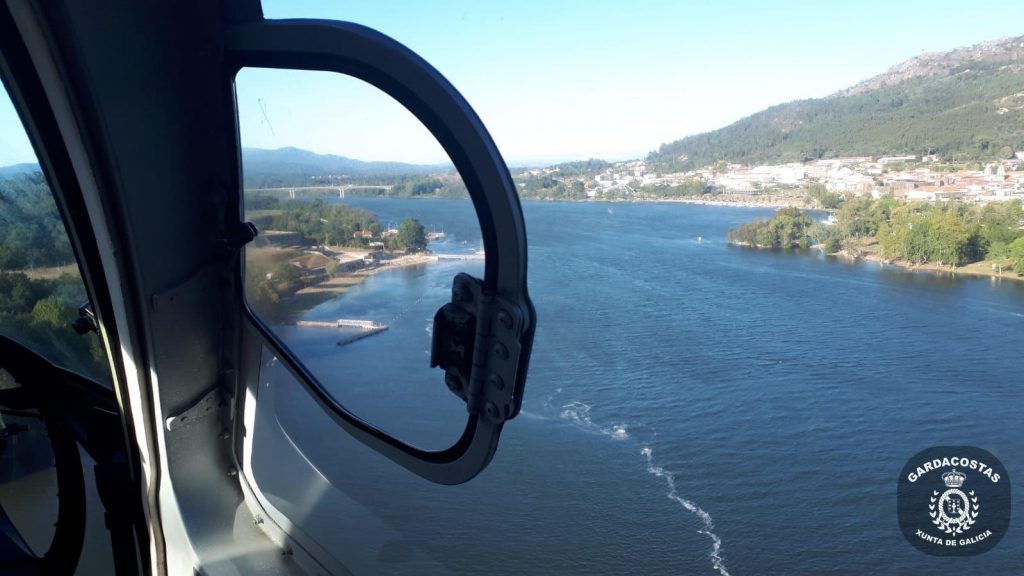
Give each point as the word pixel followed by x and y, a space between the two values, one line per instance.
pixel 984 240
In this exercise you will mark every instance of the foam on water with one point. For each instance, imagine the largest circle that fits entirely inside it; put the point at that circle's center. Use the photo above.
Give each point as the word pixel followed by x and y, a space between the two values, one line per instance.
pixel 551 397
pixel 716 543
pixel 578 413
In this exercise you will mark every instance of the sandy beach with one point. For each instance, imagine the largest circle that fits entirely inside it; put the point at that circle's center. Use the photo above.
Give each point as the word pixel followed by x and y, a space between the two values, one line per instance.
pixel 342 281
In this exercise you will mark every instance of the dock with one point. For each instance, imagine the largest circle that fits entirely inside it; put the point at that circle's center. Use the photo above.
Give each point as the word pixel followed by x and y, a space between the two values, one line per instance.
pixel 476 256
pixel 366 328
pixel 341 323
pixel 366 333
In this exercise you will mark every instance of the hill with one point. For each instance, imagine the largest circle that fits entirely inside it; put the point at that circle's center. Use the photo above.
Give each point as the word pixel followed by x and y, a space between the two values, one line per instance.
pixel 291 166
pixel 18 169
pixel 965 104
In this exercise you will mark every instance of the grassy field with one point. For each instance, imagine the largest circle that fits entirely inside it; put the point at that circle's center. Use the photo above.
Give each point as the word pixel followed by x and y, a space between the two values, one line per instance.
pixel 254 214
pixel 51 272
pixel 268 256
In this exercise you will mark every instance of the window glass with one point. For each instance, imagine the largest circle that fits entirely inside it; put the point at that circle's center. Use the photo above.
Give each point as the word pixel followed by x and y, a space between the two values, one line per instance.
pixel 775 253
pixel 41 288
pixel 40 291
pixel 357 248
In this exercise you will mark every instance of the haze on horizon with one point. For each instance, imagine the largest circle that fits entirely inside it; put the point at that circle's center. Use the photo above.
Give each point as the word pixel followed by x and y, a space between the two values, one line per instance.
pixel 568 80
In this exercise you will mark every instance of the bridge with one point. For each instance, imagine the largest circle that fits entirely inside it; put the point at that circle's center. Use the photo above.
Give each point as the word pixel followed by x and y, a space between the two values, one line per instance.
pixel 341 189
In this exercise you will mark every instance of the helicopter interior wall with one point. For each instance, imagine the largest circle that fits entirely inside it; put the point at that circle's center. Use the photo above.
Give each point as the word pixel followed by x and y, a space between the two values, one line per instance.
pixel 156 116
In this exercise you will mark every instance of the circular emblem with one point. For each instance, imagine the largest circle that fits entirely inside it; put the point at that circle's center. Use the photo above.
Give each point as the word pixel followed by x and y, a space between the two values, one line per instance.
pixel 954 501
pixel 964 510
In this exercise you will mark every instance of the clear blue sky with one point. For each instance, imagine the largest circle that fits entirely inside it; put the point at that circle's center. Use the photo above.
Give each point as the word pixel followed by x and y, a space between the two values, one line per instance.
pixel 574 79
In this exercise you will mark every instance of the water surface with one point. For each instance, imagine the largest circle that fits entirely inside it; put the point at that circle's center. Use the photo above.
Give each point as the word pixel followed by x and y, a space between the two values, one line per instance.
pixel 692 407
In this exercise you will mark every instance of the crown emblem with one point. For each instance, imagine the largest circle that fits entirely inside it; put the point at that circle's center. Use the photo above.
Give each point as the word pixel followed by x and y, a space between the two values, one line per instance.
pixel 954 479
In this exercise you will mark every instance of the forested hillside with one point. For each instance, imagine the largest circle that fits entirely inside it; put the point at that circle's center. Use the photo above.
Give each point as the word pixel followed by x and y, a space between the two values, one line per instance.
pixel 966 104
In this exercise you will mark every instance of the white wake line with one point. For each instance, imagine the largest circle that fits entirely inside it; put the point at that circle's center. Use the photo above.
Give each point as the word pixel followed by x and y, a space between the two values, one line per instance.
pixel 578 413
pixel 716 543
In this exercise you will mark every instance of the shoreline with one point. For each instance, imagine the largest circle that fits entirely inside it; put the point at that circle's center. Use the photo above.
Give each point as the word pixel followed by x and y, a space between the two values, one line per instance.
pixel 981 269
pixel 976 269
pixel 308 297
pixel 701 201
pixel 781 203
pixel 345 280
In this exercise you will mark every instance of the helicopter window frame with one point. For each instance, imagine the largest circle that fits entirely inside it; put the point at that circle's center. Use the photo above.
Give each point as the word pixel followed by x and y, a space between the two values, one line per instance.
pixel 367 55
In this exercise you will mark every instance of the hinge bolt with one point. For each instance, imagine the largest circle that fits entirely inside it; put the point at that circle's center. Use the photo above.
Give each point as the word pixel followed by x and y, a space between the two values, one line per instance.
pixel 453 382
pixel 500 351
pixel 505 319
pixel 496 382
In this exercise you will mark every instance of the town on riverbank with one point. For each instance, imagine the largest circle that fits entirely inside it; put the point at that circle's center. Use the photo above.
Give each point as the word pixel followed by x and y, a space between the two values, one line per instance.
pixel 919 212
pixel 906 177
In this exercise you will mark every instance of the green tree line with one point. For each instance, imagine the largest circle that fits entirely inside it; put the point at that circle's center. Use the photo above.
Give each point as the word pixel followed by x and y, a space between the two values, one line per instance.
pixel 952 234
pixel 38 312
pixel 788 228
pixel 31 231
pixel 321 223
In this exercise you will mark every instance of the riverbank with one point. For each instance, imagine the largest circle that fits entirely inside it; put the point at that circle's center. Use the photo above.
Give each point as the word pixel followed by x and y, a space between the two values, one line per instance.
pixel 868 252
pixel 316 284
pixel 739 201
pixel 984 268
pixel 726 200
pixel 342 281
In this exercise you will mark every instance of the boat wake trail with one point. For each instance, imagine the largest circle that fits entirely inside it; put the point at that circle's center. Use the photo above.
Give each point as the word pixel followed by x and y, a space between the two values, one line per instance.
pixel 578 414
pixel 716 543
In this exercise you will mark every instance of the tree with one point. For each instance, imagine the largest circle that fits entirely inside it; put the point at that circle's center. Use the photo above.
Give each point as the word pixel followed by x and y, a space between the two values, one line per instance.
pixel 284 273
pixel 52 312
pixel 412 235
pixel 998 251
pixel 788 228
pixel 829 237
pixel 1016 253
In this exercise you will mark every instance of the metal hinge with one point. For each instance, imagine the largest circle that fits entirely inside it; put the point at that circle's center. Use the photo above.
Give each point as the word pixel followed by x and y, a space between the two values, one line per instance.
pixel 207 403
pixel 477 341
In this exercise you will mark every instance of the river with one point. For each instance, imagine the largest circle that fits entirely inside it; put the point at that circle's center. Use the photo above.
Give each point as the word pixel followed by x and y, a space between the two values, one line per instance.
pixel 691 408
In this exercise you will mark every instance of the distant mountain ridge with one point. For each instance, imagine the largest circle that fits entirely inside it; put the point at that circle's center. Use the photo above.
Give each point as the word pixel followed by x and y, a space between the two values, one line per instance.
pixel 15 169
pixel 298 162
pixel 964 104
